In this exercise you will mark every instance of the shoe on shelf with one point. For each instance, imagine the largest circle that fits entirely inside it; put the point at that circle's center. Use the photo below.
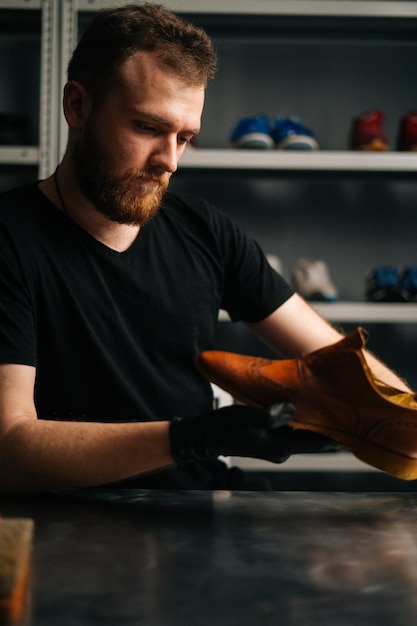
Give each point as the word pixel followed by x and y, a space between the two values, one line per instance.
pixel 367 132
pixel 252 133
pixel 275 262
pixel 311 278
pixel 408 283
pixel 382 284
pixel 407 136
pixel 335 394
pixel 290 134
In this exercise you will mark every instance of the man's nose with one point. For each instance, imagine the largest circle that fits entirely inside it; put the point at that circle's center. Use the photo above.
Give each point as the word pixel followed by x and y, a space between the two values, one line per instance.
pixel 166 155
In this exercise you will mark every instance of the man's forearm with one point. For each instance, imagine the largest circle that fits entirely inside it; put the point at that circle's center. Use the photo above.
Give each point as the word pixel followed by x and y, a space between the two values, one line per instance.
pixel 295 329
pixel 44 454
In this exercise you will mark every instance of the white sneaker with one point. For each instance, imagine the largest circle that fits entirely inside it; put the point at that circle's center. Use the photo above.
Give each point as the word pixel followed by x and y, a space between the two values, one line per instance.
pixel 311 278
pixel 275 262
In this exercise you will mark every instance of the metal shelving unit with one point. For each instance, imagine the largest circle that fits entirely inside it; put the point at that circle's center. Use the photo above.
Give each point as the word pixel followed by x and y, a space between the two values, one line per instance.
pixel 44 155
pixel 50 95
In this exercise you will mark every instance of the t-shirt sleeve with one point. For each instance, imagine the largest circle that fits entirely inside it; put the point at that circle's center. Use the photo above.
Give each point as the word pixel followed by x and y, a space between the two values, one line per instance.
pixel 252 288
pixel 17 334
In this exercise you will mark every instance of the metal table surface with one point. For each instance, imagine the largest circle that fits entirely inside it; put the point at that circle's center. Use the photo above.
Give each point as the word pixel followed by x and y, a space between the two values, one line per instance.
pixel 151 558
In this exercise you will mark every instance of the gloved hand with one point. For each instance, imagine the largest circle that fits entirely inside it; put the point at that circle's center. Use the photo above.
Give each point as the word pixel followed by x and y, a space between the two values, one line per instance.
pixel 238 430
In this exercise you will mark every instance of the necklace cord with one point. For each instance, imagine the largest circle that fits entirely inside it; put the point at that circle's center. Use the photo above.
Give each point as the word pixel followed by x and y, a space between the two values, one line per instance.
pixel 58 190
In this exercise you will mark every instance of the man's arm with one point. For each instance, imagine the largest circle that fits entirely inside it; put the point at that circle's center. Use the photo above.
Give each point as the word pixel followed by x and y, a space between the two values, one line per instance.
pixel 45 454
pixel 295 328
pixel 37 454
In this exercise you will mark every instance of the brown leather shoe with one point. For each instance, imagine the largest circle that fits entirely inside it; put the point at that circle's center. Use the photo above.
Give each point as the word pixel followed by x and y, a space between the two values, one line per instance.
pixel 335 394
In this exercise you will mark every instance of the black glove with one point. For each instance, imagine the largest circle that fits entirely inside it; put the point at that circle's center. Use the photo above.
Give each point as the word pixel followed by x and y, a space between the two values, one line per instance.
pixel 238 430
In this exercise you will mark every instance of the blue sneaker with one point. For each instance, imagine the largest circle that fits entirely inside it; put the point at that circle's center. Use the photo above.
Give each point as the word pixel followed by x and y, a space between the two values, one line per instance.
pixel 290 134
pixel 408 284
pixel 383 284
pixel 252 133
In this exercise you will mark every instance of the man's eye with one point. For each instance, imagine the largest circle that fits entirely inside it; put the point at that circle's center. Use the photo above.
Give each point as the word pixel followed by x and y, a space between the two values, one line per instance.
pixel 147 128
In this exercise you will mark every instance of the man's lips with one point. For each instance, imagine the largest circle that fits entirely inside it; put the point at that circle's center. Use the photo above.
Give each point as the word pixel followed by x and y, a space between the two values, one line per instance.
pixel 154 182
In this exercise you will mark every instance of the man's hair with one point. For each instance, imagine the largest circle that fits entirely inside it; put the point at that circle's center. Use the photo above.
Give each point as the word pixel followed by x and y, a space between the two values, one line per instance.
pixel 116 34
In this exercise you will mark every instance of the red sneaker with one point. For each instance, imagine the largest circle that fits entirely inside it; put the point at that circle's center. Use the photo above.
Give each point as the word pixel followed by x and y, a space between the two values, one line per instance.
pixel 367 132
pixel 407 136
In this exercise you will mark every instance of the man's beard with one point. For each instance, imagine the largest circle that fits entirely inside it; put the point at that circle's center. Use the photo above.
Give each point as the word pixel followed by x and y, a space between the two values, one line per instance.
pixel 124 197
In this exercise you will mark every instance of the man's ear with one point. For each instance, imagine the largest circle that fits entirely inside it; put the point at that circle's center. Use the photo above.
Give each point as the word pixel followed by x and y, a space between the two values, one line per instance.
pixel 76 104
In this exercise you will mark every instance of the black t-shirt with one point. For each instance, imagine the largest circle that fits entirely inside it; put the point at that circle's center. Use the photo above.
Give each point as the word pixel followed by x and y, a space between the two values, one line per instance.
pixel 114 335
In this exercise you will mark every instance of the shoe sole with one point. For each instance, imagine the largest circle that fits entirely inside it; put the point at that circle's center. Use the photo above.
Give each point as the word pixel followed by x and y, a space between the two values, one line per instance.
pixel 298 142
pixel 375 145
pixel 257 141
pixel 389 462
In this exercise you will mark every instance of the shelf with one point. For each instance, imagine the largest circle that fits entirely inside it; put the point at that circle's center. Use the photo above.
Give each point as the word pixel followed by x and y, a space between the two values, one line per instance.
pixel 343 8
pixel 20 4
pixel 392 313
pixel 19 155
pixel 336 461
pixel 314 161
pixel 361 312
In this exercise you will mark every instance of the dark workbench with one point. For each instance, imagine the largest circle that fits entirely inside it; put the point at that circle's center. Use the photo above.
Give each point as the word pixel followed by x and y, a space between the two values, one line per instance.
pixel 128 557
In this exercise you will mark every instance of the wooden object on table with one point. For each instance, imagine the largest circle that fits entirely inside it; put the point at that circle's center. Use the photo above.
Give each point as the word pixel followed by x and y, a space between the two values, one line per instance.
pixel 15 548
